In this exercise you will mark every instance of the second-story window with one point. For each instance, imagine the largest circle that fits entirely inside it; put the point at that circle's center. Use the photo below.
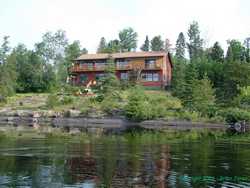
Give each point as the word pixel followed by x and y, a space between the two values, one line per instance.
pixel 100 64
pixel 122 63
pixel 86 65
pixel 150 63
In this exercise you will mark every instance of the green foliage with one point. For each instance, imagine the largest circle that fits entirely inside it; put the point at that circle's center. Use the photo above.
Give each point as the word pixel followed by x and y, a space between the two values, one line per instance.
pixel 7 71
pixel 146 45
pixel 236 51
pixel 55 100
pixel 195 44
pixel 243 99
pixel 150 105
pixel 180 46
pixel 217 53
pixel 128 39
pixel 102 47
pixel 138 107
pixel 157 44
pixel 202 95
pixel 233 115
pixel 109 83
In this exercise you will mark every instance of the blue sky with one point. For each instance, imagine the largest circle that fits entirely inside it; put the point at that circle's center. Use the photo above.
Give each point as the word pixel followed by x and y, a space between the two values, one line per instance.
pixel 25 21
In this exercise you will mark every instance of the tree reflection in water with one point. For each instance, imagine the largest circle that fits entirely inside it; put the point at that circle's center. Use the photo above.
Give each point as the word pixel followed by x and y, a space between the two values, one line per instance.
pixel 116 162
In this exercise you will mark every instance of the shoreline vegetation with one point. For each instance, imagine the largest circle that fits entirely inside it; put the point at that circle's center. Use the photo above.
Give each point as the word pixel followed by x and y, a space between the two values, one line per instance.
pixel 207 87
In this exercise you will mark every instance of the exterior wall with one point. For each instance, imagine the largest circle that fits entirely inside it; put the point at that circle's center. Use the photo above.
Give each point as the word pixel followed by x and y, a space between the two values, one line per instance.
pixel 163 68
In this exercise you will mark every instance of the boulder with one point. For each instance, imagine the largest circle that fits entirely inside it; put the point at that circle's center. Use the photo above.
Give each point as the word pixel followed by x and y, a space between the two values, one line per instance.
pixel 72 113
pixel 24 113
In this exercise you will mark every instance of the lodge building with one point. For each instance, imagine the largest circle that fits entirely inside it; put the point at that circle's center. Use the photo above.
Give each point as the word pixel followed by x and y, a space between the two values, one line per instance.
pixel 155 67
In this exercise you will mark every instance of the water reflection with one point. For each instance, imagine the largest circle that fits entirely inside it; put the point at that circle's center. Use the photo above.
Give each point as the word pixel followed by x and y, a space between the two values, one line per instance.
pixel 119 163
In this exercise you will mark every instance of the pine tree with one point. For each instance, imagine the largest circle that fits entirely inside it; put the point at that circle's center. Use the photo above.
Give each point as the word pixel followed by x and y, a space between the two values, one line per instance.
pixel 217 53
pixel 128 39
pixel 146 45
pixel 180 47
pixel 157 44
pixel 167 46
pixel 202 95
pixel 102 47
pixel 236 51
pixel 191 78
pixel 195 42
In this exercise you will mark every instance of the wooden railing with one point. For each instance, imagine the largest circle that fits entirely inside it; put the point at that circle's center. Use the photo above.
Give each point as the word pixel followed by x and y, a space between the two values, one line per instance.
pixel 77 68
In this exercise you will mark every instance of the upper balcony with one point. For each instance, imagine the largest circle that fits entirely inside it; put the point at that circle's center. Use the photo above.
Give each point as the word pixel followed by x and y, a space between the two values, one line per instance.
pixel 120 65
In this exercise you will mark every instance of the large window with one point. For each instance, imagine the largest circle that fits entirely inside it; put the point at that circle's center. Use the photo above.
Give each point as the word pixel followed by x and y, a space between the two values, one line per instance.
pixel 122 63
pixel 150 63
pixel 83 78
pixel 124 76
pixel 100 64
pixel 86 65
pixel 99 76
pixel 150 77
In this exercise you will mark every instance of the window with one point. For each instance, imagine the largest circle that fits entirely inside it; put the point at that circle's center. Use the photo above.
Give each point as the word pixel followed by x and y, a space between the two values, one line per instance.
pixel 100 64
pixel 124 76
pixel 86 64
pixel 150 77
pixel 150 63
pixel 99 76
pixel 83 78
pixel 156 77
pixel 122 63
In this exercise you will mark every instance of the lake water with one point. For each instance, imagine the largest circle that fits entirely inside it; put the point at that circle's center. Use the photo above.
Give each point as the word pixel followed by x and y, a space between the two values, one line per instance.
pixel 122 162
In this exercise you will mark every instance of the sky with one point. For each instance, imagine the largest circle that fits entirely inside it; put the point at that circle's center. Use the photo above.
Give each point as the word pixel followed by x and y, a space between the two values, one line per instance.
pixel 25 21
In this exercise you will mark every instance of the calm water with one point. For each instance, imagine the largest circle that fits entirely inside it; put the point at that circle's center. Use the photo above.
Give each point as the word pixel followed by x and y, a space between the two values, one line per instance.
pixel 119 162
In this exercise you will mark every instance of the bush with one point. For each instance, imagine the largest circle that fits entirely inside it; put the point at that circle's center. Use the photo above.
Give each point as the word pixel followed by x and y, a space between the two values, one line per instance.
pixel 233 115
pixel 188 115
pixel 56 100
pixel 138 107
pixel 243 99
pixel 150 105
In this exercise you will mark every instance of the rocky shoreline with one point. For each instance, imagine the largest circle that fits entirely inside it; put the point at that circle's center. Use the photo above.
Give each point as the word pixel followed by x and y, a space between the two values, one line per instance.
pixel 73 119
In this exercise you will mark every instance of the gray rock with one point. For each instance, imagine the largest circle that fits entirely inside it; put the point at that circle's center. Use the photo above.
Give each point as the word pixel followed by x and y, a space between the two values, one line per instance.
pixel 72 113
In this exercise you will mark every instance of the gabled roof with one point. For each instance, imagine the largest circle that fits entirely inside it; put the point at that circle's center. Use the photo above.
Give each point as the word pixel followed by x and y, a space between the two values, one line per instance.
pixel 120 55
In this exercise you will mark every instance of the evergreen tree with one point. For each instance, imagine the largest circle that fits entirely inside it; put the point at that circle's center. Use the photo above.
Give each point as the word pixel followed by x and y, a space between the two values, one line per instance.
pixel 247 46
pixel 236 51
pixel 167 46
pixel 7 70
pixel 217 53
pixel 113 46
pixel 102 47
pixel 195 42
pixel 178 79
pixel 191 78
pixel 128 39
pixel 157 44
pixel 146 45
pixel 180 46
pixel 202 95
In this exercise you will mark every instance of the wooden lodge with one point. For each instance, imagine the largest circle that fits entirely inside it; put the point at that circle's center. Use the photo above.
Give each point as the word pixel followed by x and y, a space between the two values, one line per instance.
pixel 155 68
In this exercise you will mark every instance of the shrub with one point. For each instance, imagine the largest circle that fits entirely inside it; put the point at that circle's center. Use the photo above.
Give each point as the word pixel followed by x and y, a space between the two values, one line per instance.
pixel 243 99
pixel 233 115
pixel 56 100
pixel 138 107
pixel 188 115
pixel 67 100
pixel 150 105
pixel 52 101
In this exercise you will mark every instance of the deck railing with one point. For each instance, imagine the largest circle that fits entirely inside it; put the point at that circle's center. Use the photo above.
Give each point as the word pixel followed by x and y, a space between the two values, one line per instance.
pixel 82 68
